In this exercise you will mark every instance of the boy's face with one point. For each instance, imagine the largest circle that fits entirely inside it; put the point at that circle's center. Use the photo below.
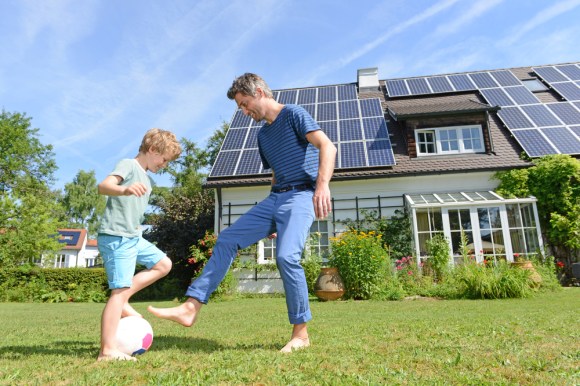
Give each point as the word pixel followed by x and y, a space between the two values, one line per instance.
pixel 156 161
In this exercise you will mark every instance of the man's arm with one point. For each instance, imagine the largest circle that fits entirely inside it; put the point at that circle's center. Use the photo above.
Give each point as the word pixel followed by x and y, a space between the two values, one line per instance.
pixel 327 155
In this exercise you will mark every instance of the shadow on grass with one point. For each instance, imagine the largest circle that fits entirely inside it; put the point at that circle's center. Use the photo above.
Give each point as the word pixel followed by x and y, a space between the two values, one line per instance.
pixel 90 349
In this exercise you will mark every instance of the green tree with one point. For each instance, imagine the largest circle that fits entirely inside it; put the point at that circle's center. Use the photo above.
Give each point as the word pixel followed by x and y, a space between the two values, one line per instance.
pixel 82 203
pixel 555 181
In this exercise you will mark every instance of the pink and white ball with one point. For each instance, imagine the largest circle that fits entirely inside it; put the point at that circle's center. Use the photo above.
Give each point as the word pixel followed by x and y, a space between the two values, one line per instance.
pixel 134 335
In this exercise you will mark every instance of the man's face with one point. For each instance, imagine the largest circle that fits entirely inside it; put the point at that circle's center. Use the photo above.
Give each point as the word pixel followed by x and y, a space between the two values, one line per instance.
pixel 251 105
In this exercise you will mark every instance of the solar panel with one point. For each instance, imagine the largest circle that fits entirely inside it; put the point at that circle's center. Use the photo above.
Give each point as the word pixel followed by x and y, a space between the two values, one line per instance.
pixel 418 86
pixel 330 129
pixel 533 142
pixel 577 104
pixel 564 139
pixel 225 163
pixel 327 94
pixel 440 84
pixel 569 90
pixel 240 120
pixel 348 109
pixel 307 96
pixel 288 96
pixel 250 163
pixel 550 74
pixel 397 87
pixel 575 130
pixel 380 153
pixel 352 154
pixel 375 128
pixel 371 107
pixel 69 237
pixel 252 139
pixel 461 82
pixel 482 80
pixel 514 118
pixel 326 112
pixel 566 112
pixel 496 97
pixel 541 115
pixel 234 139
pixel 570 70
pixel 505 78
pixel 311 109
pixel 346 92
pixel 521 95
pixel 350 130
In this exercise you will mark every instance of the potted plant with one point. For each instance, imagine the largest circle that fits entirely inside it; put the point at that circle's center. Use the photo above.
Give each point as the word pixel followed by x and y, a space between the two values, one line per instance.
pixel 521 262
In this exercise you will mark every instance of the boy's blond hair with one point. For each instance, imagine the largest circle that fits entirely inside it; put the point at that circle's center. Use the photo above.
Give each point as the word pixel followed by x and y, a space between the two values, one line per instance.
pixel 162 141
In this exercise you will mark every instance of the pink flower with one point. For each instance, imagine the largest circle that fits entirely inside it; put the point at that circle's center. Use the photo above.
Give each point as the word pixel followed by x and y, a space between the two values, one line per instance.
pixel 409 273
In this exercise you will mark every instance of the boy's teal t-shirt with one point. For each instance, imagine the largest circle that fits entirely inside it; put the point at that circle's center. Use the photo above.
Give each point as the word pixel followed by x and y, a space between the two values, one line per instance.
pixel 124 214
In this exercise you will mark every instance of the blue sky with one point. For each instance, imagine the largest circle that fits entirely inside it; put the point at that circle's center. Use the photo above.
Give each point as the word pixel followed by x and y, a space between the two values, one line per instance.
pixel 95 75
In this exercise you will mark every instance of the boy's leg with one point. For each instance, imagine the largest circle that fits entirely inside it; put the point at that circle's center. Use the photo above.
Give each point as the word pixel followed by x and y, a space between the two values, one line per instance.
pixel 109 323
pixel 157 266
pixel 293 220
pixel 253 226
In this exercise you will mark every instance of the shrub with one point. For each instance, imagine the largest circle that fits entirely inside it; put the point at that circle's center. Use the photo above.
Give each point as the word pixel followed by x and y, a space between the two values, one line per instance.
pixel 362 262
pixel 439 251
pixel 492 281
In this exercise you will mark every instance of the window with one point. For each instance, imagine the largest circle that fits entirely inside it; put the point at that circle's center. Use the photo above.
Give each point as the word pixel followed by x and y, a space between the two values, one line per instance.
pixel 522 229
pixel 491 234
pixel 429 222
pixel 319 239
pixel 60 261
pixel 449 140
pixel 534 85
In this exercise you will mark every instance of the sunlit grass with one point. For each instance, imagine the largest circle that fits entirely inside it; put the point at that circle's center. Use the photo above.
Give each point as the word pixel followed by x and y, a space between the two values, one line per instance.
pixel 520 341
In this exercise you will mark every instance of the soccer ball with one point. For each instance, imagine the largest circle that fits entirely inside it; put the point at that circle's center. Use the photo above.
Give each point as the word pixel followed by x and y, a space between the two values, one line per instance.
pixel 134 335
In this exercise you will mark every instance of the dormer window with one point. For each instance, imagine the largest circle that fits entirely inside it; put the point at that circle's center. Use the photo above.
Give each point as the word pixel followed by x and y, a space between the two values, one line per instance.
pixel 449 140
pixel 534 85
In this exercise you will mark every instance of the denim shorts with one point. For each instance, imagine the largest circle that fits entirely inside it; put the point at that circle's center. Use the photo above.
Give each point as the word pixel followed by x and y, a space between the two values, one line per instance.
pixel 122 254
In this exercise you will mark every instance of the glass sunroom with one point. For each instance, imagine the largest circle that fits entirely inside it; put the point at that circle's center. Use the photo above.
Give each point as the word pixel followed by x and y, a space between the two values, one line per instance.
pixel 496 228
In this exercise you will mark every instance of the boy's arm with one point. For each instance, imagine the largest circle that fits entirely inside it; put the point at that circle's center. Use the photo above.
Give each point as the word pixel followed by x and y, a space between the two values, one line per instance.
pixel 110 187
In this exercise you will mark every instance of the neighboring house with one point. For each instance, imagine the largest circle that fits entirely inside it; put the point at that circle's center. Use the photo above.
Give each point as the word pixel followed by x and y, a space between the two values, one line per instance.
pixel 77 250
pixel 428 145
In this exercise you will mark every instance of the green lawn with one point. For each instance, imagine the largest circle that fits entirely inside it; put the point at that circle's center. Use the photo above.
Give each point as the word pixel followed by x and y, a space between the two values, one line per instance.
pixel 525 341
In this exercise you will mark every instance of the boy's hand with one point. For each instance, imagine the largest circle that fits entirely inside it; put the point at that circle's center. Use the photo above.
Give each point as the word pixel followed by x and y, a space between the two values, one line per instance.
pixel 137 189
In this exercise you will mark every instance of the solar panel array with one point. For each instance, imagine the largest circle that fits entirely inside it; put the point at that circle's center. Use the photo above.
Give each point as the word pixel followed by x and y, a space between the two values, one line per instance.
pixel 356 127
pixel 540 128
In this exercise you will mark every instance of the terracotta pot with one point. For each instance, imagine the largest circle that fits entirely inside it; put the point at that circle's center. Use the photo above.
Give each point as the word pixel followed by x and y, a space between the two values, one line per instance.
pixel 527 265
pixel 329 285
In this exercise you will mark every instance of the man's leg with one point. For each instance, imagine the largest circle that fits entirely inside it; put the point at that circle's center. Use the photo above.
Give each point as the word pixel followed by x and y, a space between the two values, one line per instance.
pixel 253 226
pixel 293 220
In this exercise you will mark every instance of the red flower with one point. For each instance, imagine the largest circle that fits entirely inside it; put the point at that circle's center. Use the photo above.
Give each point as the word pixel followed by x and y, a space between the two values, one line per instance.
pixel 560 264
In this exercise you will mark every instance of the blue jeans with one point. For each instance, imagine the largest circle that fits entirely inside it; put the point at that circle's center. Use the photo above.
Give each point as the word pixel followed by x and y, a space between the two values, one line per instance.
pixel 290 214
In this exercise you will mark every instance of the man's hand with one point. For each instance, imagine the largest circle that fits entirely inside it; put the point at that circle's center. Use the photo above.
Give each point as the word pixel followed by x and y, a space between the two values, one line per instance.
pixel 321 201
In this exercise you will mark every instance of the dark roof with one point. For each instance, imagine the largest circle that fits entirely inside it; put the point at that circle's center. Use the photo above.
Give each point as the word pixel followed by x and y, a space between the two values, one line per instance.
pixel 504 155
pixel 408 109
pixel 72 238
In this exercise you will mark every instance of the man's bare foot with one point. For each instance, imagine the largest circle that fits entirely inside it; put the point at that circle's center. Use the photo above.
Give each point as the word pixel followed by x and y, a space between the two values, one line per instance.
pixel 295 344
pixel 128 310
pixel 115 356
pixel 184 314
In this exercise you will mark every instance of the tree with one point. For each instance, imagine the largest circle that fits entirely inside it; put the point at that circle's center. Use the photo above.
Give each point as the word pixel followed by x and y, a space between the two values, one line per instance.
pixel 82 203
pixel 555 181
pixel 29 209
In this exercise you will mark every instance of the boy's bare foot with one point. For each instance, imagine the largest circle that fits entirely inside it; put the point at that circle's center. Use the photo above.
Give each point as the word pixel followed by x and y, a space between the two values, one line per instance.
pixel 115 356
pixel 184 314
pixel 128 310
pixel 295 344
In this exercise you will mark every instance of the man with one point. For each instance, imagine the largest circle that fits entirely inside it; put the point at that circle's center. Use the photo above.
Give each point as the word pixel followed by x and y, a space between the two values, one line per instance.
pixel 302 161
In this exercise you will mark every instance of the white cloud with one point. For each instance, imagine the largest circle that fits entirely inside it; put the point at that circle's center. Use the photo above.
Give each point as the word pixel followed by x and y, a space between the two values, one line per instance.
pixel 475 12
pixel 543 16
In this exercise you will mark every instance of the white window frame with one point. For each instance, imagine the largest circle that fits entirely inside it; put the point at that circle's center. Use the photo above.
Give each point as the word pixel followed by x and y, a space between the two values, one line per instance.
pixel 460 140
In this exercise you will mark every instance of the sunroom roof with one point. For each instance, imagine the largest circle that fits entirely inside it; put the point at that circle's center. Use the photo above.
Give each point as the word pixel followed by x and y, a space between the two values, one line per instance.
pixel 454 198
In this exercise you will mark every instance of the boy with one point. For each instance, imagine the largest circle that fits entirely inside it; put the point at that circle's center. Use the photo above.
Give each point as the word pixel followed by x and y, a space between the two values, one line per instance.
pixel 120 242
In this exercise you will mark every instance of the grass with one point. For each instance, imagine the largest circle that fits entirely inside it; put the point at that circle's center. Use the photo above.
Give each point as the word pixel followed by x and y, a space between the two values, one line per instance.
pixel 524 342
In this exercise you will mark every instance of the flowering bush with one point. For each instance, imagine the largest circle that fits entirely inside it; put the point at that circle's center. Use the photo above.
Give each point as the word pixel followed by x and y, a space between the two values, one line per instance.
pixel 362 262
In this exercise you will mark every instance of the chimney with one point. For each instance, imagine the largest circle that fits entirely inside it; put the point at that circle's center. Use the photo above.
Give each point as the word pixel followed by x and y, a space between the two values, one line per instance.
pixel 368 79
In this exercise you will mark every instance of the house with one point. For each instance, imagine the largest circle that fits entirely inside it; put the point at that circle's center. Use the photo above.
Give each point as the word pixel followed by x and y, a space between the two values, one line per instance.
pixel 77 250
pixel 427 145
